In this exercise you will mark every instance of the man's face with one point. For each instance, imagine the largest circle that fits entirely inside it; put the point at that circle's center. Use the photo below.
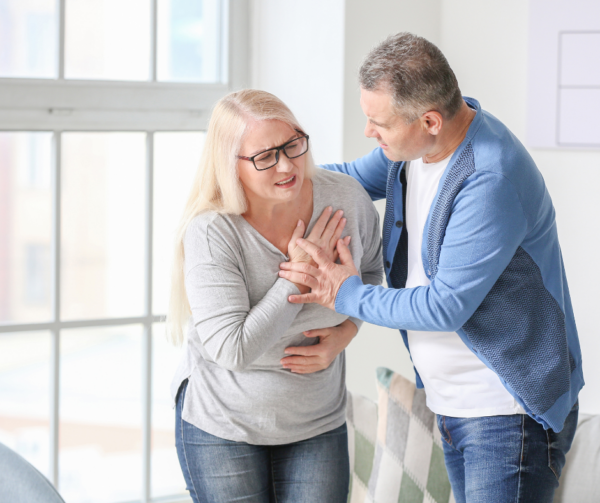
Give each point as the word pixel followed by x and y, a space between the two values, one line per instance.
pixel 399 141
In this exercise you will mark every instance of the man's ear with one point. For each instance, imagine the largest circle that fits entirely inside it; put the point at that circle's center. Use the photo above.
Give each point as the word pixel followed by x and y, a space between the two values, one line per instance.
pixel 432 122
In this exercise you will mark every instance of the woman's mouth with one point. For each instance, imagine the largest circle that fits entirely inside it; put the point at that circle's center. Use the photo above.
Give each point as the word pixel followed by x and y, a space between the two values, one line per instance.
pixel 288 182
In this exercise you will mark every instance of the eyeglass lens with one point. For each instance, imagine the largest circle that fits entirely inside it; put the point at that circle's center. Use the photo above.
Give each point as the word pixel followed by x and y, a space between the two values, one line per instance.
pixel 293 149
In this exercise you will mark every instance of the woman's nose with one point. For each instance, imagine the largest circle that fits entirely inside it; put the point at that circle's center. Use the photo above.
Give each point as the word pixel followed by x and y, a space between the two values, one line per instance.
pixel 285 164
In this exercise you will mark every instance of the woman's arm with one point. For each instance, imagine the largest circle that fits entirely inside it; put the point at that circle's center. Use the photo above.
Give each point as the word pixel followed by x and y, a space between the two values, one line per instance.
pixel 232 333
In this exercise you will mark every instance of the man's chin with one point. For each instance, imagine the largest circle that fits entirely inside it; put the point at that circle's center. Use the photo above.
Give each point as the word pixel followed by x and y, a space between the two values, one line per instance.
pixel 391 156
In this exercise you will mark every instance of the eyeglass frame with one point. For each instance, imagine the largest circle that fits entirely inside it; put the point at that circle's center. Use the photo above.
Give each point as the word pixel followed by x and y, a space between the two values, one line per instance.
pixel 277 150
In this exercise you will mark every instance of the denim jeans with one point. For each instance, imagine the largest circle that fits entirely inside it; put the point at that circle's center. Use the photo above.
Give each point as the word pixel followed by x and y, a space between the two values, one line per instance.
pixel 218 470
pixel 501 459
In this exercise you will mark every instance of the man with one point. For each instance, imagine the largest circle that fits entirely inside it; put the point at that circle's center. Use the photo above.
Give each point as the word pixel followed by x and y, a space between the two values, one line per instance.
pixel 476 280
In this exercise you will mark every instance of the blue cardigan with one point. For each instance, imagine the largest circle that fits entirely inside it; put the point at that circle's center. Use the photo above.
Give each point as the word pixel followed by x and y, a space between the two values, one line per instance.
pixel 491 251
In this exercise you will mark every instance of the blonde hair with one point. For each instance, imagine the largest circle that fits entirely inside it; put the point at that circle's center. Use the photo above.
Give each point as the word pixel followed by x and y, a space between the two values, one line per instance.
pixel 216 186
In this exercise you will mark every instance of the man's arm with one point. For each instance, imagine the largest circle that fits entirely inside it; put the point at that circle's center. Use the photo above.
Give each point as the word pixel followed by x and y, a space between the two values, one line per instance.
pixel 370 171
pixel 486 227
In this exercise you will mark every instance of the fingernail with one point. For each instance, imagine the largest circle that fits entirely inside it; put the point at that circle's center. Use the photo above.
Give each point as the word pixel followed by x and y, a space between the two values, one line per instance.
pixel 299 223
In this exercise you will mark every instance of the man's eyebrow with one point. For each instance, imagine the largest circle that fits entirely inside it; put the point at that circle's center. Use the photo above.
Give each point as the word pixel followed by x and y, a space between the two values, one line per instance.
pixel 376 123
pixel 269 148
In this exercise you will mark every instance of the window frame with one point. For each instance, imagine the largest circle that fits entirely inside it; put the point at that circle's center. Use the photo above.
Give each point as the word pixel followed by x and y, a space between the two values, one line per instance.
pixel 60 105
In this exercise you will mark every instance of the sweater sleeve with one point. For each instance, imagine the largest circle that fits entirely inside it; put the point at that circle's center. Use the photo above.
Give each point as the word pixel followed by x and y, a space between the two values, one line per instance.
pixel 370 171
pixel 233 333
pixel 487 225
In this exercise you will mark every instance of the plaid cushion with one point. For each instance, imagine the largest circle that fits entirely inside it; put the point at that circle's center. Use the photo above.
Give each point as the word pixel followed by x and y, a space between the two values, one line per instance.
pixel 408 466
pixel 361 419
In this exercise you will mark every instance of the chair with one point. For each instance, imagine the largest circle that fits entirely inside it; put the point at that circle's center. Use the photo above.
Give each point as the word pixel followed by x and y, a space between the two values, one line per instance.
pixel 20 482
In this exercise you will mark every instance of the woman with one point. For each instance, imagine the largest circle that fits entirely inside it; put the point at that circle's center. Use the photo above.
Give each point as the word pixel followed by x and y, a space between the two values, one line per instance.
pixel 247 429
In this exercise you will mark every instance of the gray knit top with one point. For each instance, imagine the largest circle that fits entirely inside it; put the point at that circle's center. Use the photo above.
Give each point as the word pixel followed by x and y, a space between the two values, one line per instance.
pixel 242 322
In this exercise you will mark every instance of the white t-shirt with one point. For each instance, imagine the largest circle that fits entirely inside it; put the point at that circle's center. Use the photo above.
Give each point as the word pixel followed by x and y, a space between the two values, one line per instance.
pixel 457 383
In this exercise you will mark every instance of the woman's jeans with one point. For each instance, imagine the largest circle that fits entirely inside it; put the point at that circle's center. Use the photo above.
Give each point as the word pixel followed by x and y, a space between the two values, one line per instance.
pixel 502 459
pixel 218 470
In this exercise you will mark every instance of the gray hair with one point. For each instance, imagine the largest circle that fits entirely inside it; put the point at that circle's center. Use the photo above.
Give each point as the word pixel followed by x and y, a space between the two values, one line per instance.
pixel 416 73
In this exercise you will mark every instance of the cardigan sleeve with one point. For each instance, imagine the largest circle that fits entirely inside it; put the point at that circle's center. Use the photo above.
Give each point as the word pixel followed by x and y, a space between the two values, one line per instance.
pixel 486 226
pixel 370 171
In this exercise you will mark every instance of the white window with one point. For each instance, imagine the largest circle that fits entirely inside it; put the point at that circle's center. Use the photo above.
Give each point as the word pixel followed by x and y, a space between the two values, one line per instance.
pixel 103 104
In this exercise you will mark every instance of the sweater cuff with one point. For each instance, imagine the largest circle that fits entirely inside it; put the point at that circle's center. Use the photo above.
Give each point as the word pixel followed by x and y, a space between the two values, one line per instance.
pixel 357 322
pixel 346 300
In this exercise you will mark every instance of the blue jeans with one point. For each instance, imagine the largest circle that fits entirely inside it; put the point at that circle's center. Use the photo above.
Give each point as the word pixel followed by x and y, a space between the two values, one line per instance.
pixel 218 470
pixel 501 459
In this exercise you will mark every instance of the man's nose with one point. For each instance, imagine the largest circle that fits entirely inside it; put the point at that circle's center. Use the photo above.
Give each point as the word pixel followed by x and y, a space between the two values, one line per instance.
pixel 369 131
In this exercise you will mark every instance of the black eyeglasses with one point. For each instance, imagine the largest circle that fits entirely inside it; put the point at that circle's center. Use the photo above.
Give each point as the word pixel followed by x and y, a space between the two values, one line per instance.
pixel 269 158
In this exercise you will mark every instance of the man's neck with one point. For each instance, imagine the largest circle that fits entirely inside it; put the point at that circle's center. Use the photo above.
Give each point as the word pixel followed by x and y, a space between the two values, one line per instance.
pixel 452 134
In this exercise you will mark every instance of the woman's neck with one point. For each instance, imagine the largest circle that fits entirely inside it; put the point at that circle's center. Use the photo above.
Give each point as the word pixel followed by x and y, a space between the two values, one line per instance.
pixel 276 222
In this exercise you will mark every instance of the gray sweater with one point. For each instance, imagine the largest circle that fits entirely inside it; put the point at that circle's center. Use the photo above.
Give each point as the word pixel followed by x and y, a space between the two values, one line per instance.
pixel 242 322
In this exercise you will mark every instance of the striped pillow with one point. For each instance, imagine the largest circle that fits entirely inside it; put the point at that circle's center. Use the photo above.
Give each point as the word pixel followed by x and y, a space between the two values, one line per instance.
pixel 408 466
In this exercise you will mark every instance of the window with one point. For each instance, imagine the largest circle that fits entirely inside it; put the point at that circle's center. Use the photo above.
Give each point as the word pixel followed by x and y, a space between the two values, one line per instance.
pixel 103 104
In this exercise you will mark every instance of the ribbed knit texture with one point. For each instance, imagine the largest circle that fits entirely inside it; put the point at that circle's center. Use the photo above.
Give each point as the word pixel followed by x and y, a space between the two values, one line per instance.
pixel 462 169
pixel 530 320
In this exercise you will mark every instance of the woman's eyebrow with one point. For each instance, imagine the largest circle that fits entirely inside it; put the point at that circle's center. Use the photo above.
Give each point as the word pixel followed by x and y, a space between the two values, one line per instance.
pixel 269 148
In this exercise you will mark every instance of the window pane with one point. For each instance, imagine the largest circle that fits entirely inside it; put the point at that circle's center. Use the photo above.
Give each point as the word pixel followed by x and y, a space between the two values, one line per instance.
pixel 100 443
pixel 107 39
pixel 25 227
pixel 103 194
pixel 25 395
pixel 176 158
pixel 166 473
pixel 28 38
pixel 189 40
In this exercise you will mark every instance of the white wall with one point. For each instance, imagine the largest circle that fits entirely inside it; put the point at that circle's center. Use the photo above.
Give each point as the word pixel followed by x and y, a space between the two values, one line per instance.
pixel 486 45
pixel 298 55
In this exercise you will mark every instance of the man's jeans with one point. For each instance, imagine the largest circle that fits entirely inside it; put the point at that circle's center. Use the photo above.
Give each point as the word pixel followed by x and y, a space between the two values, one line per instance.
pixel 502 459
pixel 219 470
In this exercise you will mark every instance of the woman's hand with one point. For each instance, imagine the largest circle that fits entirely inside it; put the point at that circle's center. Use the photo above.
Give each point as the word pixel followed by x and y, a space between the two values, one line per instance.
pixel 325 235
pixel 332 341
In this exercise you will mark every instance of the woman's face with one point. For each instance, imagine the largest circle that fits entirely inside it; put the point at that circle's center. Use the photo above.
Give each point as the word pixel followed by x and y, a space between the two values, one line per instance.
pixel 281 183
